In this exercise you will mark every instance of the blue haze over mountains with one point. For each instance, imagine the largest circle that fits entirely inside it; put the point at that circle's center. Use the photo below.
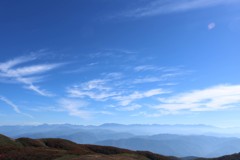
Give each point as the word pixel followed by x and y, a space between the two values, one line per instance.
pixel 174 140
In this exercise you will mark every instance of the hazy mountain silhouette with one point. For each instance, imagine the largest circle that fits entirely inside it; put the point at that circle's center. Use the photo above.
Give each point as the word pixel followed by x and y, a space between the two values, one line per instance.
pixel 136 129
pixel 178 145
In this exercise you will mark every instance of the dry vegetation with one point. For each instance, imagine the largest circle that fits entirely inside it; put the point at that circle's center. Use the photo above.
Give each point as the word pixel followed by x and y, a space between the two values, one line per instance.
pixel 60 149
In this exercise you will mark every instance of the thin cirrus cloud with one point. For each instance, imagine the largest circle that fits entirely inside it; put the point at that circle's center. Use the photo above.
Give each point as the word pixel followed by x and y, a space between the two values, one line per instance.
pixel 147 80
pixel 94 89
pixel 106 89
pixel 163 77
pixel 121 91
pixel 74 107
pixel 130 107
pixel 210 99
pixel 122 100
pixel 102 96
pixel 161 73
pixel 13 106
pixel 125 100
pixel 142 68
pixel 158 7
pixel 26 75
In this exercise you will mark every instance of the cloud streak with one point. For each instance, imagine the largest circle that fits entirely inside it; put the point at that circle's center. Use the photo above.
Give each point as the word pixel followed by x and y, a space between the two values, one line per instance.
pixel 158 7
pixel 142 68
pixel 26 75
pixel 13 106
pixel 128 99
pixel 122 91
pixel 74 107
pixel 95 89
pixel 210 99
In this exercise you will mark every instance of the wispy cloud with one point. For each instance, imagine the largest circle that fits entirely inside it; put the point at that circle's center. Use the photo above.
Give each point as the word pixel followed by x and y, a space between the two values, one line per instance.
pixel 99 96
pixel 147 80
pixel 132 107
pixel 13 106
pixel 11 63
pixel 128 99
pixel 26 75
pixel 158 7
pixel 209 99
pixel 98 84
pixel 121 89
pixel 30 70
pixel 74 107
pixel 149 115
pixel 157 74
pixel 123 85
pixel 147 68
pixel 163 77
pixel 38 90
pixel 95 89
pixel 113 75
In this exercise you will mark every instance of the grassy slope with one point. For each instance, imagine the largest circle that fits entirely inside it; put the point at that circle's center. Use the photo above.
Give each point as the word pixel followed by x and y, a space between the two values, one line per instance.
pixel 60 149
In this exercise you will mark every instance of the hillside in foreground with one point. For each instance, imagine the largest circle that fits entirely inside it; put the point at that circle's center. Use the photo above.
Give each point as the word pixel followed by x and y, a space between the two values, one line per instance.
pixel 60 149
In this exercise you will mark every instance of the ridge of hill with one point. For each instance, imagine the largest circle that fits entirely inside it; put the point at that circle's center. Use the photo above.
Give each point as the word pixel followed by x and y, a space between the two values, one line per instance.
pixel 61 149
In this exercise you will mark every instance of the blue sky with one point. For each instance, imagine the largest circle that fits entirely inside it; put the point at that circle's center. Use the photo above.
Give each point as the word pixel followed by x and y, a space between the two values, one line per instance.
pixel 104 61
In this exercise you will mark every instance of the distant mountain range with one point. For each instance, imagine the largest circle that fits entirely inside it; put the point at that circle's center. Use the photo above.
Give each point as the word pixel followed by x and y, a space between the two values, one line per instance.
pixel 136 129
pixel 170 140
pixel 178 145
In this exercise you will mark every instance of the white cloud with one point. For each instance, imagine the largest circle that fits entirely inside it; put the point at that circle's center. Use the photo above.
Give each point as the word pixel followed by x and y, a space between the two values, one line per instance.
pixel 209 99
pixel 74 107
pixel 147 80
pixel 122 91
pixel 158 7
pixel 113 75
pixel 95 89
pixel 211 26
pixel 39 91
pixel 163 77
pixel 151 115
pixel 27 74
pixel 132 107
pixel 11 63
pixel 30 70
pixel 146 68
pixel 104 112
pixel 157 74
pixel 98 84
pixel 127 99
pixel 46 109
pixel 99 96
pixel 13 106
